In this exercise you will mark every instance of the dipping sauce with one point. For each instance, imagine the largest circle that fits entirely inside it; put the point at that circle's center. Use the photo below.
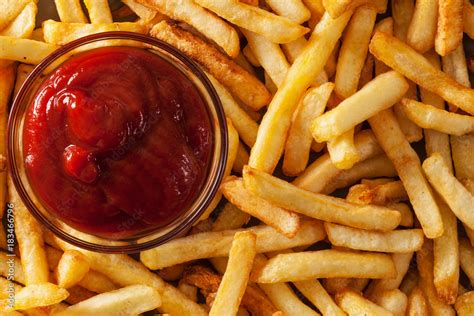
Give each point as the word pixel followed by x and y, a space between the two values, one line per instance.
pixel 117 142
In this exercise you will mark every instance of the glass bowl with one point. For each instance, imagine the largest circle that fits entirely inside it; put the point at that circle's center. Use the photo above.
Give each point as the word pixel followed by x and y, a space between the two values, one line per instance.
pixel 147 239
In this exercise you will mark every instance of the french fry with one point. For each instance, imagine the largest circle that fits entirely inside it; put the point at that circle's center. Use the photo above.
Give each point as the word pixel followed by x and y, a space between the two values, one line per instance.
pixel 459 199
pixel 465 304
pixel 414 66
pixel 99 11
pixel 10 10
pixel 373 183
pixel 394 301
pixel 317 11
pixel 283 221
pixel 384 26
pixel 383 194
pixel 235 279
pixel 402 13
pixel 70 11
pixel 354 50
pixel 399 241
pixel 410 281
pixel 345 116
pixel 276 122
pixel 230 218
pixel 324 264
pixel 298 144
pixel 78 294
pixel 281 295
pixel 205 245
pixel 450 26
pixel 18 273
pixel 36 295
pixel 242 84
pixel 406 213
pixel 466 256
pixel 417 303
pixel 241 159
pixel 22 26
pixel 145 13
pixel 24 50
pixel 430 117
pixel 454 64
pixel 336 285
pixel 248 53
pixel 331 64
pixel 343 151
pixel 422 30
pixel 407 163
pixel 293 49
pixel 316 294
pixel 354 304
pixel 468 20
pixel 275 28
pixel 72 267
pixel 292 9
pixel 319 206
pixel 337 7
pixel 130 300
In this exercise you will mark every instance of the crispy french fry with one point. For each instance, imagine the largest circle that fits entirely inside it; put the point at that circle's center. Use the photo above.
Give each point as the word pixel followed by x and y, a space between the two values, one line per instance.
pixel 417 305
pixel 241 83
pixel 319 206
pixel 293 49
pixel 276 122
pixel 430 117
pixel 384 26
pixel 291 9
pixel 422 30
pixel 286 300
pixel 72 267
pixel 459 199
pixel 343 151
pixel 316 294
pixel 465 304
pixel 99 11
pixel 298 144
pixel 407 163
pixel 70 11
pixel 283 221
pixel 145 13
pixel 317 11
pixel 235 279
pixel 450 26
pixel 395 301
pixel 410 281
pixel 22 26
pixel 466 256
pixel 130 300
pixel 24 50
pixel 454 64
pixel 276 28
pixel 338 7
pixel 23 72
pixel 406 213
pixel 468 20
pixel 354 304
pixel 36 295
pixel 230 218
pixel 383 194
pixel 10 10
pixel 414 66
pixel 354 50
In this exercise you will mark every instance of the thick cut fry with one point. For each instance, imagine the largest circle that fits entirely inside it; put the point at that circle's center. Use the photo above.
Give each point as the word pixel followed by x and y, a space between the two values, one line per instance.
pixel 465 304
pixel 37 295
pixel 395 301
pixel 417 305
pixel 337 7
pixel 72 267
pixel 466 256
pixel 283 221
pixel 276 28
pixel 24 50
pixel 400 241
pixel 354 50
pixel 316 294
pixel 22 26
pixel 450 26
pixel 414 66
pixel 364 104
pixel 319 206
pixel 407 163
pixel 343 151
pixel 422 30
pixel 235 279
pixel 70 11
pixel 217 244
pixel 355 304
pixel 459 199
pixel 241 83
pixel 292 9
pixel 130 300
pixel 276 122
pixel 286 300
pixel 99 11
pixel 468 20
pixel 427 116
pixel 205 22
pixel 298 144
pixel 324 264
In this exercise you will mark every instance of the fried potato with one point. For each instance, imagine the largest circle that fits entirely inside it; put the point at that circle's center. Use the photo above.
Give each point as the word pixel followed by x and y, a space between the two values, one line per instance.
pixel 276 122
pixel 18 273
pixel 422 30
pixel 283 221
pixel 338 7
pixel 72 267
pixel 454 64
pixel 130 300
pixel 70 11
pixel 37 295
pixel 414 66
pixel 241 83
pixel 291 9
pixel 343 151
pixel 24 50
pixel 354 304
pixel 450 26
pixel 383 194
pixel 235 279
pixel 465 304
pixel 275 28
pixel 144 12
pixel 459 199
pixel 466 256
pixel 319 206
pixel 22 26
pixel 406 213
pixel 417 303
pixel 468 20
pixel 286 300
pixel 394 301
pixel 10 10
pixel 402 13
pixel 316 294
pixel 230 218
pixel 294 48
pixel 99 11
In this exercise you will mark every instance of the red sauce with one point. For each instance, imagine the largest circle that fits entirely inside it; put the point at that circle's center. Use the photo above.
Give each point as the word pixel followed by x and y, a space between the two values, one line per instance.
pixel 117 141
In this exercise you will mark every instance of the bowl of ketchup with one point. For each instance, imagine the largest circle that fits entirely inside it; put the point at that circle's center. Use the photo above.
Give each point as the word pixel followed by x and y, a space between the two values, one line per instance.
pixel 117 142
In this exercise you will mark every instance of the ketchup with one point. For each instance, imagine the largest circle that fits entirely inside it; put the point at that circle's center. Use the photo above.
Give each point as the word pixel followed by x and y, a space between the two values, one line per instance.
pixel 117 142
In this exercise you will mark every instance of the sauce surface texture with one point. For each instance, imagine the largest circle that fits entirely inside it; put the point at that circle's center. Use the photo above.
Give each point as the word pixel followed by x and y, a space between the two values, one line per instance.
pixel 117 141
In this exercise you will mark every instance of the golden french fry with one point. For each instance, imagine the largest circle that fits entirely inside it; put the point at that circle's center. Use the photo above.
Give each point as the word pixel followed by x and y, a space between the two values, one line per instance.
pixel 354 50
pixel 317 11
pixel 22 26
pixel 145 13
pixel 343 151
pixel 466 256
pixel 130 300
pixel 373 183
pixel 384 26
pixel 454 64
pixel 394 301
pixel 459 199
pixel 462 146
pixel 291 9
pixel 281 295
pixel 465 304
pixel 383 194
pixel 402 12
pixel 10 10
pixel 99 11
pixel 276 28
pixel 235 279
pixel 241 159
pixel 248 53
pixel 283 221
pixel 72 267
pixel 414 66
pixel 24 50
pixel 242 61
pixel 468 20
pixel 422 30
pixel 241 83
pixel 319 206
pixel 316 294
pixel 450 26
pixel 70 11
pixel 355 304
pixel 298 144
pixel 36 295
pixel 417 303
pixel 276 122
pixel 407 163
pixel 230 218
pixel 294 48
pixel 338 7
pixel 406 213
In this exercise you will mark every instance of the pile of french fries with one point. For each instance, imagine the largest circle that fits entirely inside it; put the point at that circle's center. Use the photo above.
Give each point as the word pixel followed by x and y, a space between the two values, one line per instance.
pixel 338 90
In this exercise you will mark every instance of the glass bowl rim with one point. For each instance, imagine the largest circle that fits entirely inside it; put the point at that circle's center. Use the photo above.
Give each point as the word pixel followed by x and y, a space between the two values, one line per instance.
pixel 184 225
